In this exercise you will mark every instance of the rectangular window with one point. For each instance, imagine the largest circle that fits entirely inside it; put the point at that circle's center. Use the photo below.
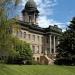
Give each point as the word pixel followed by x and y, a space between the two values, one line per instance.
pixel 34 37
pixel 29 36
pixel 24 34
pixel 38 49
pixel 42 50
pixel 38 59
pixel 38 38
pixel 42 39
pixel 33 48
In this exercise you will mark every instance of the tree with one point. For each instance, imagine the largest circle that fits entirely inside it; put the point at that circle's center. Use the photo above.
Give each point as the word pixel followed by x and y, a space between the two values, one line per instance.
pixel 11 47
pixel 6 27
pixel 72 25
pixel 7 5
pixel 23 52
pixel 66 48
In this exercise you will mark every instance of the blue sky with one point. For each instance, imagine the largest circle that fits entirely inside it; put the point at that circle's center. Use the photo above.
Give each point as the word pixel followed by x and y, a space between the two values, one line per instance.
pixel 64 11
pixel 58 12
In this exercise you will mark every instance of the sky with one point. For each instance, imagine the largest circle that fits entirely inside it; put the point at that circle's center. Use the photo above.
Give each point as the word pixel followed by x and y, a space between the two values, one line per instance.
pixel 53 12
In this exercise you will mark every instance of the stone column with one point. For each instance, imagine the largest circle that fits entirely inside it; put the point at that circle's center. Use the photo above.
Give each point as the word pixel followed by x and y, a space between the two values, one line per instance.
pixel 54 45
pixel 50 44
pixel 34 19
pixel 58 41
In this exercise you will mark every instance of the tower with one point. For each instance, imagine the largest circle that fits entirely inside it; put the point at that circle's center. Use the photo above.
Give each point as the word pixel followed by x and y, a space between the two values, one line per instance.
pixel 30 12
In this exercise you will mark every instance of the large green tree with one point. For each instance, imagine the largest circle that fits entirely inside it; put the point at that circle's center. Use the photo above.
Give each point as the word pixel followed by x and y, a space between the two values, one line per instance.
pixel 5 29
pixel 5 36
pixel 66 48
pixel 7 47
pixel 24 52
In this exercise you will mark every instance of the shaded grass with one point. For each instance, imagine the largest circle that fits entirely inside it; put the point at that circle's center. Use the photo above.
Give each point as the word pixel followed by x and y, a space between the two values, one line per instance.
pixel 36 70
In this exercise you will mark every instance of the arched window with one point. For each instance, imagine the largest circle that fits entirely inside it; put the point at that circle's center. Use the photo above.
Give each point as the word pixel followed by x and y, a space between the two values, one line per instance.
pixel 37 58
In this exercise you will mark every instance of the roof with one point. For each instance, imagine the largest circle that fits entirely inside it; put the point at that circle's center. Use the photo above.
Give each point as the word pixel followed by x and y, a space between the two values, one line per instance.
pixel 31 6
pixel 53 29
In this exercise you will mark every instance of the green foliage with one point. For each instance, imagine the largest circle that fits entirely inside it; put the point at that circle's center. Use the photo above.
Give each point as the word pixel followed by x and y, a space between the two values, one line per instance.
pixel 72 24
pixel 23 52
pixel 6 48
pixel 66 48
pixel 6 44
pixel 5 37
pixel 11 48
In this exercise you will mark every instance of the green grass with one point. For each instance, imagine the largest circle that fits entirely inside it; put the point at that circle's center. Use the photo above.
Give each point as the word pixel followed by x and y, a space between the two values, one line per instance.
pixel 36 70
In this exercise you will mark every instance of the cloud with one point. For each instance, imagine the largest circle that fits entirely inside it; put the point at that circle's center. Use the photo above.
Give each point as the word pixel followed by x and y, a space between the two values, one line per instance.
pixel 46 8
pixel 45 22
pixel 23 2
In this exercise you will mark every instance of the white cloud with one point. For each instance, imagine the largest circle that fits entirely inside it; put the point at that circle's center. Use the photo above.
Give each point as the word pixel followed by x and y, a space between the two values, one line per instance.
pixel 45 8
pixel 45 22
pixel 23 2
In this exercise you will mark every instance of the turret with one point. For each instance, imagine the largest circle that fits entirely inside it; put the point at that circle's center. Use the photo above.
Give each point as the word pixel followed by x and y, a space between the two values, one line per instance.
pixel 30 12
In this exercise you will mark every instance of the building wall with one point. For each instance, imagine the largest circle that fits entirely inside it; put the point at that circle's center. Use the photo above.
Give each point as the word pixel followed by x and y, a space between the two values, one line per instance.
pixel 40 44
pixel 35 40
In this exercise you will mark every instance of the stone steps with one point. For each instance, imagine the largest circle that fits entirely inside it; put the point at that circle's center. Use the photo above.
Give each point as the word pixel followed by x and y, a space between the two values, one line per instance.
pixel 46 60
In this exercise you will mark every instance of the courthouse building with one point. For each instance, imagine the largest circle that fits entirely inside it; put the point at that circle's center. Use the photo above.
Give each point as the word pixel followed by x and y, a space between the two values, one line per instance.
pixel 43 41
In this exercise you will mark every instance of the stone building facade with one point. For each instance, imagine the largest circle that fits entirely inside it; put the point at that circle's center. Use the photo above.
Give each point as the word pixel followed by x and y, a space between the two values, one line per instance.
pixel 43 41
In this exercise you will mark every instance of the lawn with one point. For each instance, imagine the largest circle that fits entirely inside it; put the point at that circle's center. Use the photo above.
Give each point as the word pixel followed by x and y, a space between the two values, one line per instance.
pixel 36 70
